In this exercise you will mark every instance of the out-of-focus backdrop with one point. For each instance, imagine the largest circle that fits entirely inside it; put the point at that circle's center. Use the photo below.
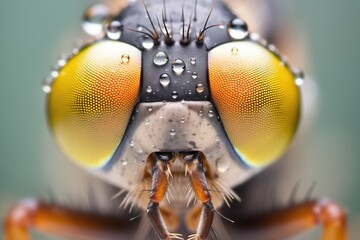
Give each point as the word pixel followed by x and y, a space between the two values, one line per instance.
pixel 34 33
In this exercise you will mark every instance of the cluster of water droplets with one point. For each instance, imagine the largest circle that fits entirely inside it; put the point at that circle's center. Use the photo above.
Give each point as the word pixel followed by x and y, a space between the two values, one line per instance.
pixel 178 66
pixel 298 74
pixel 54 73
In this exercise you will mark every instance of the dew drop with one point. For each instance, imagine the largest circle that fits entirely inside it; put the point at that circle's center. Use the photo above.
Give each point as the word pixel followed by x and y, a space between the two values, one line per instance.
pixel 193 61
pixel 174 94
pixel 62 61
pixel 211 113
pixel 124 162
pixel 147 42
pixel 217 138
pixel 125 58
pixel 234 51
pixel 194 75
pixel 160 58
pixel 299 76
pixel 190 92
pixel 54 74
pixel 178 66
pixel 75 51
pixel 222 165
pixel 46 88
pixel 201 113
pixel 164 79
pixel 147 122
pixel 255 37
pixel 46 85
pixel 148 89
pixel 161 116
pixel 237 28
pixel 94 18
pixel 200 88
pixel 182 120
pixel 131 143
pixel 114 30
pixel 182 101
pixel 172 132
pixel 149 108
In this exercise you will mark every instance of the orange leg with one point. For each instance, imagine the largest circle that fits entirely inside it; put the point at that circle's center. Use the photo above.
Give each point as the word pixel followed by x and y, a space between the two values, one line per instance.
pixel 200 187
pixel 294 220
pixel 160 182
pixel 62 221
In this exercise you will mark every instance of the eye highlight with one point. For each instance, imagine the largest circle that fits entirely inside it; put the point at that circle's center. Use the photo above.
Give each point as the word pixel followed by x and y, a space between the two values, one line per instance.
pixel 92 100
pixel 257 99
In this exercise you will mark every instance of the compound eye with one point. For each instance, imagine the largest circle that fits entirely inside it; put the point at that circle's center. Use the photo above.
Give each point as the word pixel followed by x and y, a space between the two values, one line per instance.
pixel 257 100
pixel 92 99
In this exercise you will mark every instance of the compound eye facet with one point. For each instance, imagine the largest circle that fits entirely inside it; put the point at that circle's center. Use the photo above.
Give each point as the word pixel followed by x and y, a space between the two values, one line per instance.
pixel 92 100
pixel 257 100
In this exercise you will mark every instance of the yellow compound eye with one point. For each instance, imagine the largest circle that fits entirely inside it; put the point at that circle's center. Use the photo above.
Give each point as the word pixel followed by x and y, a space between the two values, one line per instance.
pixel 257 100
pixel 92 99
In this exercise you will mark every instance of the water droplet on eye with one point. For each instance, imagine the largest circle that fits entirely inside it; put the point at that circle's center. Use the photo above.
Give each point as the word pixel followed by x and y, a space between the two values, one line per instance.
pixel 299 76
pixel 149 108
pixel 131 143
pixel 172 132
pixel 211 113
pixel 193 61
pixel 237 28
pixel 124 162
pixel 222 165
pixel 164 79
pixel 46 86
pixel 114 30
pixel 194 75
pixel 201 113
pixel 62 61
pixel 147 42
pixel 148 89
pixel 178 66
pixel 54 74
pixel 94 18
pixel 200 88
pixel 182 120
pixel 147 121
pixel 255 37
pixel 125 58
pixel 234 51
pixel 174 94
pixel 161 58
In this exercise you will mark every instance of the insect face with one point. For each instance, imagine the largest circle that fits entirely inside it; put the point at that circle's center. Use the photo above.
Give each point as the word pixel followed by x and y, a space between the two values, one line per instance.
pixel 201 89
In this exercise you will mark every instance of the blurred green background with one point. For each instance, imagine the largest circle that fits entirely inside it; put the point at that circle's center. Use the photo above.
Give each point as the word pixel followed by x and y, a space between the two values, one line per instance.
pixel 34 33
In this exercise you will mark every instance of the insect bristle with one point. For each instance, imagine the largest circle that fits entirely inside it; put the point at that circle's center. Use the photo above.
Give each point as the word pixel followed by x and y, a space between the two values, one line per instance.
pixel 154 33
